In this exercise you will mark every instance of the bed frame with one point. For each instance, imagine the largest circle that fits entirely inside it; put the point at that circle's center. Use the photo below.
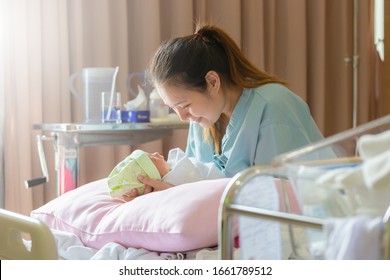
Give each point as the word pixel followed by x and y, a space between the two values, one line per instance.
pixel 25 238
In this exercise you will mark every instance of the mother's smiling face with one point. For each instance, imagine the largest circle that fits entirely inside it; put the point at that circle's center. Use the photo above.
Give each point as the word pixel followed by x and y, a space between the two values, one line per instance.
pixel 204 108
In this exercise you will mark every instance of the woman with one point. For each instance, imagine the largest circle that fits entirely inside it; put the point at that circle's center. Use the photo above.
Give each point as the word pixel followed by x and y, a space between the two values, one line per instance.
pixel 239 115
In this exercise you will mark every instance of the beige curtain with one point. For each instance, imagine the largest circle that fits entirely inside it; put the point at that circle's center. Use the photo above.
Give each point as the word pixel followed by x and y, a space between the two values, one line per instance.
pixel 35 62
pixel 2 105
pixel 44 41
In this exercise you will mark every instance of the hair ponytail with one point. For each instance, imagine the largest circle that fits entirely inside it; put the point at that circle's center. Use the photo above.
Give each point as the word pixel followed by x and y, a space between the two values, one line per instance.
pixel 241 72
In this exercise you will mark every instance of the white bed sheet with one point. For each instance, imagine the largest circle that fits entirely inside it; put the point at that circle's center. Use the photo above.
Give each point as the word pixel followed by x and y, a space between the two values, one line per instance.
pixel 70 247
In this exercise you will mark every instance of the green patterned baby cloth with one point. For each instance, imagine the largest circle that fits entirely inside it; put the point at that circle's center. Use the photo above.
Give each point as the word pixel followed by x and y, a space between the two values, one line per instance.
pixel 123 177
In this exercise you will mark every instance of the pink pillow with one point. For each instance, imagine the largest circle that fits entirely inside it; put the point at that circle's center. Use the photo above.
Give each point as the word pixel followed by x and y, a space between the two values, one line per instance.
pixel 179 219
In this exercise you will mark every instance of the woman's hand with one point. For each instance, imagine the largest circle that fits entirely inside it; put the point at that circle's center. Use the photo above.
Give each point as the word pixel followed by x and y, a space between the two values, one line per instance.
pixel 151 185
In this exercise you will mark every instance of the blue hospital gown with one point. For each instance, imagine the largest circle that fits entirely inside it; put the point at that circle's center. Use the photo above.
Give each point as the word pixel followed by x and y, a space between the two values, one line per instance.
pixel 267 121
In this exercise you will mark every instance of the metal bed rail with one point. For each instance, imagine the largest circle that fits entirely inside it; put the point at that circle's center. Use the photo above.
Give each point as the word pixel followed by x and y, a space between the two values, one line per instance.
pixel 228 208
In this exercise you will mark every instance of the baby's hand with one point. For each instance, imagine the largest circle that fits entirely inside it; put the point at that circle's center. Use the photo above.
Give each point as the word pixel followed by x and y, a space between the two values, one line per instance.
pixel 133 193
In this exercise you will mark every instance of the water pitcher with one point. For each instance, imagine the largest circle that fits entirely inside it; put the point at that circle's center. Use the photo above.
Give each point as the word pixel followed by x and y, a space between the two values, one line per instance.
pixel 94 82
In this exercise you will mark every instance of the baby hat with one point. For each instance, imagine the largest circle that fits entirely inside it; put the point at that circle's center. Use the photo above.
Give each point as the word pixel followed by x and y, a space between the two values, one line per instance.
pixel 123 177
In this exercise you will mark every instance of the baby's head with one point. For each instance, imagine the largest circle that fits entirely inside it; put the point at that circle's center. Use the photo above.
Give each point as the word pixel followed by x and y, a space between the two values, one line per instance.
pixel 160 163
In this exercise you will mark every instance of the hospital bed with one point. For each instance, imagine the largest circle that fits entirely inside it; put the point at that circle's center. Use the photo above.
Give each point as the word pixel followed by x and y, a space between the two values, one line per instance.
pixel 278 211
pixel 26 238
pixel 16 229
pixel 88 224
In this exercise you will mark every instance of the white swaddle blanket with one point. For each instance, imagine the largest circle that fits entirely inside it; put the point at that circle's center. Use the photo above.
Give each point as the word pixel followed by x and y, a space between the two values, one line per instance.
pixel 370 145
pixel 354 238
pixel 375 151
pixel 369 182
pixel 375 170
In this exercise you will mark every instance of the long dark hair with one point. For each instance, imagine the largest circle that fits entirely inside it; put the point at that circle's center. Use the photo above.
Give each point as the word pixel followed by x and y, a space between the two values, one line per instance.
pixel 185 61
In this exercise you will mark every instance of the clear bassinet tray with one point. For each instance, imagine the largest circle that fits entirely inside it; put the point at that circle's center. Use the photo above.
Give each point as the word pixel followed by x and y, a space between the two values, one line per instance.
pixel 328 179
pixel 282 207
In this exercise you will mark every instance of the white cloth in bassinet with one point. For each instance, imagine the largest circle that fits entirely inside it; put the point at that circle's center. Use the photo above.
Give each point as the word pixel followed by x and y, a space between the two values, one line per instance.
pixel 354 238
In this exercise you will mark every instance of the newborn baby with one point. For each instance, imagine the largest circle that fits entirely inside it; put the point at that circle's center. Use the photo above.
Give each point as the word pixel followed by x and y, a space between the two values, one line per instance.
pixel 178 169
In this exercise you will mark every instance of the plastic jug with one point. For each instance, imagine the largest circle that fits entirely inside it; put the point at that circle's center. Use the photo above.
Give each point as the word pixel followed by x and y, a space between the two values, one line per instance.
pixel 94 82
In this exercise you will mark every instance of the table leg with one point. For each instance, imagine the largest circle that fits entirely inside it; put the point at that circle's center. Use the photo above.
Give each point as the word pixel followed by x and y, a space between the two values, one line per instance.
pixel 68 169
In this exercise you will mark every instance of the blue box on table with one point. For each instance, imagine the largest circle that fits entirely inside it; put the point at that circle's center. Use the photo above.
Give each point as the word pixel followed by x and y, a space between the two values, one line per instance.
pixel 135 116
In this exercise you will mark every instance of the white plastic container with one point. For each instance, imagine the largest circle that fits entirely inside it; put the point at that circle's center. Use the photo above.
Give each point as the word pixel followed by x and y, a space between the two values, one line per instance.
pixel 159 112
pixel 95 81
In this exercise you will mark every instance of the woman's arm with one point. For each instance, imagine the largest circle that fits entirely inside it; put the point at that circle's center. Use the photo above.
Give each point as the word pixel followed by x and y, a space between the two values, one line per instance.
pixel 151 185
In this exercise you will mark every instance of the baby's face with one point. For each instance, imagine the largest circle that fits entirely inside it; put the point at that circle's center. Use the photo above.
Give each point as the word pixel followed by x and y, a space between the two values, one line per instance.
pixel 160 163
